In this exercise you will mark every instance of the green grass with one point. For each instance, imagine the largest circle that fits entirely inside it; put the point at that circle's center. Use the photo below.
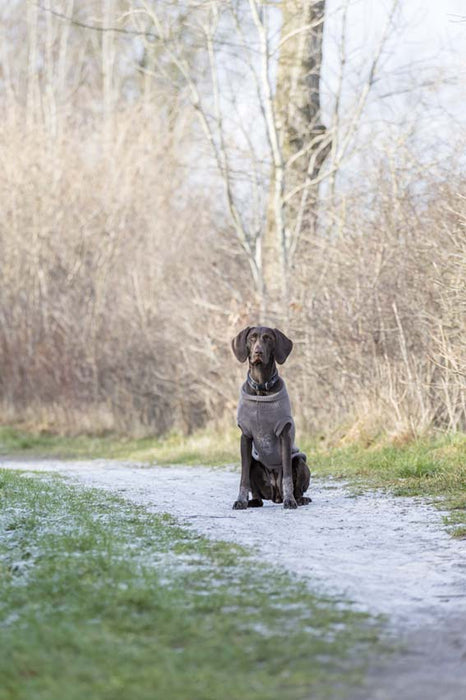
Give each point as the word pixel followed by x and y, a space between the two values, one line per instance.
pixel 206 447
pixel 101 599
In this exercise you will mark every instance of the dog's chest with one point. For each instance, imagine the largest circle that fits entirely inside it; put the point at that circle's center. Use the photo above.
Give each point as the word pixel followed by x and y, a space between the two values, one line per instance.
pixel 262 418
pixel 265 441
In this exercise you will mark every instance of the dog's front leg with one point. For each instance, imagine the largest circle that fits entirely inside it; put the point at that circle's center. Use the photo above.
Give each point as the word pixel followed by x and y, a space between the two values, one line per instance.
pixel 285 446
pixel 244 487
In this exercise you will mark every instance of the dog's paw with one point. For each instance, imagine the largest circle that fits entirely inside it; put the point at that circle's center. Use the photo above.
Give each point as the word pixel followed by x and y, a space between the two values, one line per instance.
pixel 240 505
pixel 290 503
pixel 303 501
pixel 256 503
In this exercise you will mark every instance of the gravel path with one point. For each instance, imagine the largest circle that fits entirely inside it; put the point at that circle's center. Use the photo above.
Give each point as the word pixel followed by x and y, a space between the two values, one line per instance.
pixel 387 555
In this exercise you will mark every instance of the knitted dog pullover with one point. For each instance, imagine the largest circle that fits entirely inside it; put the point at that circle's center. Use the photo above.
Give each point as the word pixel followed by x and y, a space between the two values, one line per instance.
pixel 263 418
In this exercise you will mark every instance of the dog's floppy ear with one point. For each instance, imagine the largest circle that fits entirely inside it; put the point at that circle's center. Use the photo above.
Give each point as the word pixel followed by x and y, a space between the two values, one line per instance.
pixel 239 346
pixel 283 346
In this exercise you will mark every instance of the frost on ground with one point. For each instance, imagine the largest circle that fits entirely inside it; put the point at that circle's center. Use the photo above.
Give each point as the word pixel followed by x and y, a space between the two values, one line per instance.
pixel 388 555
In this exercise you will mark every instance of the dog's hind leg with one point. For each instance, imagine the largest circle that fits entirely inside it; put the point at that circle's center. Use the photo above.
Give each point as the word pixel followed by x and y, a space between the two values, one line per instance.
pixel 260 485
pixel 301 479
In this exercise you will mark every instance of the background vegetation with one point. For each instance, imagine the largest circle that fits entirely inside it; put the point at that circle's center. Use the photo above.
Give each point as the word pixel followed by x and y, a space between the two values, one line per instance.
pixel 124 158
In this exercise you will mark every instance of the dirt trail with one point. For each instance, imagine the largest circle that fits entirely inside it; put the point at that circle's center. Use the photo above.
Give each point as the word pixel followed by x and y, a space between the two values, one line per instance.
pixel 387 555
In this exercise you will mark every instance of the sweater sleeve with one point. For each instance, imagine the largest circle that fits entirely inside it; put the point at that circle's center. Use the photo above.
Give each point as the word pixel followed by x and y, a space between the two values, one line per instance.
pixel 242 419
pixel 280 424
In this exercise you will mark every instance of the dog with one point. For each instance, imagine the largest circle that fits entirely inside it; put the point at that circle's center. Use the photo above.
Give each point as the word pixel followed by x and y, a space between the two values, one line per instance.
pixel 272 468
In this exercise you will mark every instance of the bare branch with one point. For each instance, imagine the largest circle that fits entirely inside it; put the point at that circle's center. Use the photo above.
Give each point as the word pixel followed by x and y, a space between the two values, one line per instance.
pixel 95 27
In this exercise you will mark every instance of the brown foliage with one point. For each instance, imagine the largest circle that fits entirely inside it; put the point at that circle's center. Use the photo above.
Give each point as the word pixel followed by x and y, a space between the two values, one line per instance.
pixel 122 284
pixel 121 291
pixel 110 272
pixel 382 323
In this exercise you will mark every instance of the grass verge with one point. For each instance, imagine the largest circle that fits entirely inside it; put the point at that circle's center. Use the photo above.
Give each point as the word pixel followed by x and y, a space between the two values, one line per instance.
pixel 206 447
pixel 101 599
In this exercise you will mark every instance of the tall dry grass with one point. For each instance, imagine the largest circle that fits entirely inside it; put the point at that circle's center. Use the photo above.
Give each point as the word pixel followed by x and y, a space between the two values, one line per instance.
pixel 382 318
pixel 122 286
pixel 122 282
pixel 110 265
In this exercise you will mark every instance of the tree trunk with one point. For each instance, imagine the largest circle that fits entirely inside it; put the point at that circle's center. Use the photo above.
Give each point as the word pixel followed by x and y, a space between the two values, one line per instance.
pixel 303 144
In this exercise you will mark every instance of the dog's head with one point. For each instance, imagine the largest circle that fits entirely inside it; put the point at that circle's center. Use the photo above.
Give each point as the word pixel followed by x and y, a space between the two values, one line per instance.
pixel 261 345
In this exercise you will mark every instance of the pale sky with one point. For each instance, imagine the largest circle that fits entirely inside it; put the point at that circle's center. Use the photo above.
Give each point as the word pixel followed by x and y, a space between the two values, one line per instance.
pixel 420 92
pixel 429 39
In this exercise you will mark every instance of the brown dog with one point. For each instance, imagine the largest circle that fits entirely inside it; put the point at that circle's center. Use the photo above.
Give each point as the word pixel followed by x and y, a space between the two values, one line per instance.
pixel 272 468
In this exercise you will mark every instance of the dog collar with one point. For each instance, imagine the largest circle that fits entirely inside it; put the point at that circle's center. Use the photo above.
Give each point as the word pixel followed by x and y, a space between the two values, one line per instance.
pixel 266 386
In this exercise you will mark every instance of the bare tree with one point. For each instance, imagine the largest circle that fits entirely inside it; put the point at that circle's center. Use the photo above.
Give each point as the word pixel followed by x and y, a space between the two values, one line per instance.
pixel 268 148
pixel 298 139
pixel 269 156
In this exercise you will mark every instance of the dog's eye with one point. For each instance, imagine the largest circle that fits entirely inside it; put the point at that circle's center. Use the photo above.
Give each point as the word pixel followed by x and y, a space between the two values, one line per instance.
pixel 267 338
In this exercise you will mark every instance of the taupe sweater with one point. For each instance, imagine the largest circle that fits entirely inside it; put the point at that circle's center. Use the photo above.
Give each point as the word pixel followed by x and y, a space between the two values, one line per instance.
pixel 263 418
